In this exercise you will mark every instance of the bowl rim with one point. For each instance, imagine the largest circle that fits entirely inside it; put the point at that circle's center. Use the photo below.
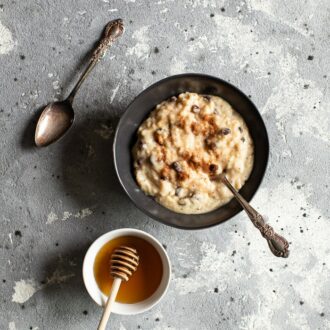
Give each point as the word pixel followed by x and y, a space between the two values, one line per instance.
pixel 122 308
pixel 124 116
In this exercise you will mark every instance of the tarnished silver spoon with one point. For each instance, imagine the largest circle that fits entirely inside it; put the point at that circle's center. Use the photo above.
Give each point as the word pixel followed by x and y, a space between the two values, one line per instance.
pixel 277 244
pixel 57 117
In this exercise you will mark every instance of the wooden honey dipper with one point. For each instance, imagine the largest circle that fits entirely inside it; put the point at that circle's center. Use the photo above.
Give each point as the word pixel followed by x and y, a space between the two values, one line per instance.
pixel 123 263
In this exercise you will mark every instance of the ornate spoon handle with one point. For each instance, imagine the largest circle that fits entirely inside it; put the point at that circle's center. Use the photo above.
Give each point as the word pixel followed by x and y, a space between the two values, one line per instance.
pixel 113 30
pixel 277 244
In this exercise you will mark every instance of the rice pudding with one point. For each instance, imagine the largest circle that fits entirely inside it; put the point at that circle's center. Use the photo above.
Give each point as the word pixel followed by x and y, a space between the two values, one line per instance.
pixel 185 143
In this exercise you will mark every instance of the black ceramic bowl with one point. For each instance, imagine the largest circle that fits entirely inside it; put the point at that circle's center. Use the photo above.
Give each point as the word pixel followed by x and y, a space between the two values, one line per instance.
pixel 139 110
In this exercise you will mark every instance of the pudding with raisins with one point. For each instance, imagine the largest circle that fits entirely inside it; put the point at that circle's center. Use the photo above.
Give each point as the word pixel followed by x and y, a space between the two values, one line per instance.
pixel 185 143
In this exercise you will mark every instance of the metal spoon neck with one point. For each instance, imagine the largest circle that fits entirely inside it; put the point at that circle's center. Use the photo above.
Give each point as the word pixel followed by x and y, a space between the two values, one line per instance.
pixel 70 98
pixel 55 121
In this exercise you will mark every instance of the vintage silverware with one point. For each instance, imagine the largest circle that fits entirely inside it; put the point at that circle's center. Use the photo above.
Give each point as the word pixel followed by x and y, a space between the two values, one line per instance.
pixel 57 117
pixel 277 244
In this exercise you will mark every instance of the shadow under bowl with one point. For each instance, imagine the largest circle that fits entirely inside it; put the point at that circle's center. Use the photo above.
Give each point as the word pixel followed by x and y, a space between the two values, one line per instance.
pixel 139 110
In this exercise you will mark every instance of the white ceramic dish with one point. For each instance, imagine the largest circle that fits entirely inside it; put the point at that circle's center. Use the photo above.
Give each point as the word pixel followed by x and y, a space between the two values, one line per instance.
pixel 100 298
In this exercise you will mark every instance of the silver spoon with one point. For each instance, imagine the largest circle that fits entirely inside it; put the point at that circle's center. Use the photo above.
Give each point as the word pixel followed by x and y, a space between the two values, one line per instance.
pixel 277 244
pixel 57 117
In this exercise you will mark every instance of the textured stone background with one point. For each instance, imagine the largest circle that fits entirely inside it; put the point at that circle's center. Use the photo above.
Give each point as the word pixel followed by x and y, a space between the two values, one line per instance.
pixel 54 202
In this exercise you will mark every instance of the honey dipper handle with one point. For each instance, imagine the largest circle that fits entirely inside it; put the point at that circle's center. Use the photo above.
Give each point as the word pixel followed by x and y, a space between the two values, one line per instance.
pixel 109 304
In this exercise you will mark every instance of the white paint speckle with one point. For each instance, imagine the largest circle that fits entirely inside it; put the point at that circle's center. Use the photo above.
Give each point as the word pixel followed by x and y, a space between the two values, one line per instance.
pixel 34 95
pixel 279 201
pixel 10 238
pixel 121 326
pixel 310 268
pixel 6 40
pixel 182 29
pixel 237 38
pixel 275 11
pixel 198 44
pixel 294 108
pixel 24 290
pixel 203 3
pixel 66 215
pixel 206 274
pixel 177 66
pixel 141 49
pixel 11 326
pixel 56 85
pixel 114 93
pixel 51 218
pixel 307 268
pixel 83 213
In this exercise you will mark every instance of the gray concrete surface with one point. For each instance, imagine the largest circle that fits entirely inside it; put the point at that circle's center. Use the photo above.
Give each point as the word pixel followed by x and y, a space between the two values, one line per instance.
pixel 54 202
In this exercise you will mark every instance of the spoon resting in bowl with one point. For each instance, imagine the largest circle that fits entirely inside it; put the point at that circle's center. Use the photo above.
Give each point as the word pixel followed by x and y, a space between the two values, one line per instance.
pixel 277 244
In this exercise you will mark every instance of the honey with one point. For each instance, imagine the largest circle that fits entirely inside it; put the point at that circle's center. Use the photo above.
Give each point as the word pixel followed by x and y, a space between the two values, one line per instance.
pixel 143 283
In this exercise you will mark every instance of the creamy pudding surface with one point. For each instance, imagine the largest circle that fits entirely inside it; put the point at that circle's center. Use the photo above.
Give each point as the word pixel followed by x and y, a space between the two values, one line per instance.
pixel 185 143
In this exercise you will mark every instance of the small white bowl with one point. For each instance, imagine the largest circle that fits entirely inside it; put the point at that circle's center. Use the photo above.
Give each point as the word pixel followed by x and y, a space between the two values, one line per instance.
pixel 96 293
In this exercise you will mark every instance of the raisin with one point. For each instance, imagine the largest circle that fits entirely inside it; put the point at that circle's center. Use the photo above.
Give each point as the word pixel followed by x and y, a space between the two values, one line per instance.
pixel 213 168
pixel 177 167
pixel 195 109
pixel 225 131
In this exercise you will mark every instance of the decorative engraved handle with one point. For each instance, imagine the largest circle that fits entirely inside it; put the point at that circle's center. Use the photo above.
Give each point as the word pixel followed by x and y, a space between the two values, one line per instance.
pixel 277 244
pixel 113 30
